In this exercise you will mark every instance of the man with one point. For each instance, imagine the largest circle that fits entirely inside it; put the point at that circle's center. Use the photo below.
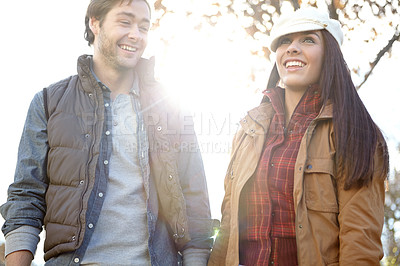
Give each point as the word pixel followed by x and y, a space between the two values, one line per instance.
pixel 106 163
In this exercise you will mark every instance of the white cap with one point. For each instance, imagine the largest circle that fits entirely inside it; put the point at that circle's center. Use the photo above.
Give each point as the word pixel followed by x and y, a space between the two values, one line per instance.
pixel 304 19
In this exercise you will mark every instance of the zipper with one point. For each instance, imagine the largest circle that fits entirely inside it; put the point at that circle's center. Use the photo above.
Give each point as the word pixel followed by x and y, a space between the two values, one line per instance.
pixel 89 159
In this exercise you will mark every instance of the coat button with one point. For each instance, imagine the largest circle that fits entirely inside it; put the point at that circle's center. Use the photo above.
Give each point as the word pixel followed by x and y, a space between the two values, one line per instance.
pixel 309 166
pixel 170 177
pixel 76 260
pixel 159 128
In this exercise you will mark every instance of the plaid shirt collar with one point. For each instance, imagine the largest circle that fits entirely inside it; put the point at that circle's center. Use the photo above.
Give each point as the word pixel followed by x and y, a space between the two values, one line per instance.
pixel 310 102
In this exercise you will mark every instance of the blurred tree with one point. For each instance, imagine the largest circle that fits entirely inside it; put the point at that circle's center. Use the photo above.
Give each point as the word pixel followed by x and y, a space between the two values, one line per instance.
pixel 2 260
pixel 377 19
pixel 392 221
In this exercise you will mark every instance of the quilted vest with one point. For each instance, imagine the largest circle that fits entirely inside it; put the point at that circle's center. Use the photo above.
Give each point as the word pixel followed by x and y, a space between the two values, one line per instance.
pixel 75 123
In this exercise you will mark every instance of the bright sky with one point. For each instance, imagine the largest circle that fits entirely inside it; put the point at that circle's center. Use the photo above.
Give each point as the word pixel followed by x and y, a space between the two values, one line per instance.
pixel 207 70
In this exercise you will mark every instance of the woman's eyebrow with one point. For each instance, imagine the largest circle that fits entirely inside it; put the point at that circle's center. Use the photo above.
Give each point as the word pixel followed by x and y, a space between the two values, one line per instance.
pixel 311 32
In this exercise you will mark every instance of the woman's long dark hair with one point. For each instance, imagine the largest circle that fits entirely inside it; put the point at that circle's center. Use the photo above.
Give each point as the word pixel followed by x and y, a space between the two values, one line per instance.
pixel 356 135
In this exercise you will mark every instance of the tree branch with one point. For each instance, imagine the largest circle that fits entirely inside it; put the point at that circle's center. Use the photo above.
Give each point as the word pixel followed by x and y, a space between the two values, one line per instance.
pixel 295 4
pixel 396 37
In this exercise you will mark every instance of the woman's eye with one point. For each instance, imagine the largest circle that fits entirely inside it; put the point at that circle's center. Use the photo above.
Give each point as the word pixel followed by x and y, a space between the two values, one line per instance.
pixel 125 22
pixel 309 40
pixel 284 41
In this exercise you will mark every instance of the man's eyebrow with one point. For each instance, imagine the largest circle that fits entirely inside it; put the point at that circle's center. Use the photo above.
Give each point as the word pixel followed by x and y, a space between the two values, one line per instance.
pixel 123 13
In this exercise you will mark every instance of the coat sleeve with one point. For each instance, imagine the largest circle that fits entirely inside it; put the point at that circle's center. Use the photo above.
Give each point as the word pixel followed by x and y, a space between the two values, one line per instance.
pixel 219 251
pixel 195 192
pixel 26 195
pixel 361 217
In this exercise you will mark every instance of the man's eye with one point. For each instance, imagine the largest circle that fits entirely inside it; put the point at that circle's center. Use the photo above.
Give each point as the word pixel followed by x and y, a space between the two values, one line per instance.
pixel 125 22
pixel 144 29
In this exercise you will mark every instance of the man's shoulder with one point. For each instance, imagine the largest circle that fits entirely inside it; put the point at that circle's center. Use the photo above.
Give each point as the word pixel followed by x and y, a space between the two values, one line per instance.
pixel 55 92
pixel 61 84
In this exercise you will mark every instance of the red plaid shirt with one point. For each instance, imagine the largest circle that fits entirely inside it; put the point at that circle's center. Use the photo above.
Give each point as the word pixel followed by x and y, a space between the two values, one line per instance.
pixel 267 216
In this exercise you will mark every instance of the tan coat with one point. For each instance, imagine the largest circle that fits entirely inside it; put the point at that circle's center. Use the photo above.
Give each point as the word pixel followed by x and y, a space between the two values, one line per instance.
pixel 333 226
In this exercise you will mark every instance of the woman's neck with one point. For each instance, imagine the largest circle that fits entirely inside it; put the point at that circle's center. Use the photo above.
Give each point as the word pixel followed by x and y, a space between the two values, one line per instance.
pixel 292 99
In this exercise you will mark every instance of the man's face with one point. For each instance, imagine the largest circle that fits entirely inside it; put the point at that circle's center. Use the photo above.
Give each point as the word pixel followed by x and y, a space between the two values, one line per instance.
pixel 121 38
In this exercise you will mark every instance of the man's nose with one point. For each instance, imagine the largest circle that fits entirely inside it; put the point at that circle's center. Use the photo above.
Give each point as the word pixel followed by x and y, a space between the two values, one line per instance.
pixel 134 33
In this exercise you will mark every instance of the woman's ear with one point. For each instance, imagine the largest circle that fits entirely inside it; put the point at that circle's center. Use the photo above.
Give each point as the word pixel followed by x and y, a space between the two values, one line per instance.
pixel 94 25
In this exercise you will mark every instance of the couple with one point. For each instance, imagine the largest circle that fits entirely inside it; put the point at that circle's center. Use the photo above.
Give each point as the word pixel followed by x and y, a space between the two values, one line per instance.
pixel 305 185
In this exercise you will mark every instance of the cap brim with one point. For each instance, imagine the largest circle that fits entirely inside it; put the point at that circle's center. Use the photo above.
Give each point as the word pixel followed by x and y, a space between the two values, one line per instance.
pixel 288 29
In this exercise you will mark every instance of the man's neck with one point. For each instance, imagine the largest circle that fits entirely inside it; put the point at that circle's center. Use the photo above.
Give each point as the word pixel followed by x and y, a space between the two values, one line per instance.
pixel 118 81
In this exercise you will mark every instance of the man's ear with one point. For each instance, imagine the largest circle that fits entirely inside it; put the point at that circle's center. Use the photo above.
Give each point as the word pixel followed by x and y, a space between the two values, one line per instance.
pixel 94 25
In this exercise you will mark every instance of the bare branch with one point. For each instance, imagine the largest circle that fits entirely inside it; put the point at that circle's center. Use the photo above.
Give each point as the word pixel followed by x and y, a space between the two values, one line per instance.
pixel 295 4
pixel 396 37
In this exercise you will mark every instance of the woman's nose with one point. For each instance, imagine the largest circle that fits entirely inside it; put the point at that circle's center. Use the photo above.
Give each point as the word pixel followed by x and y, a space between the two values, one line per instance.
pixel 293 48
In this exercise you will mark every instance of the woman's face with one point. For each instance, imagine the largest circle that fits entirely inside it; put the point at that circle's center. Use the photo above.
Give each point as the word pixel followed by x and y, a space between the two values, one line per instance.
pixel 299 59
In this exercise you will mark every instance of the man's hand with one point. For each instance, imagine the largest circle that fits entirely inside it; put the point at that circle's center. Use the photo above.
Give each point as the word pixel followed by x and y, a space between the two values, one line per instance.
pixel 19 258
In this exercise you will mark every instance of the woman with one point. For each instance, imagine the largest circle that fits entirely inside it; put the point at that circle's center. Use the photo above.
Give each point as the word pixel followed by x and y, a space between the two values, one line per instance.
pixel 305 185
